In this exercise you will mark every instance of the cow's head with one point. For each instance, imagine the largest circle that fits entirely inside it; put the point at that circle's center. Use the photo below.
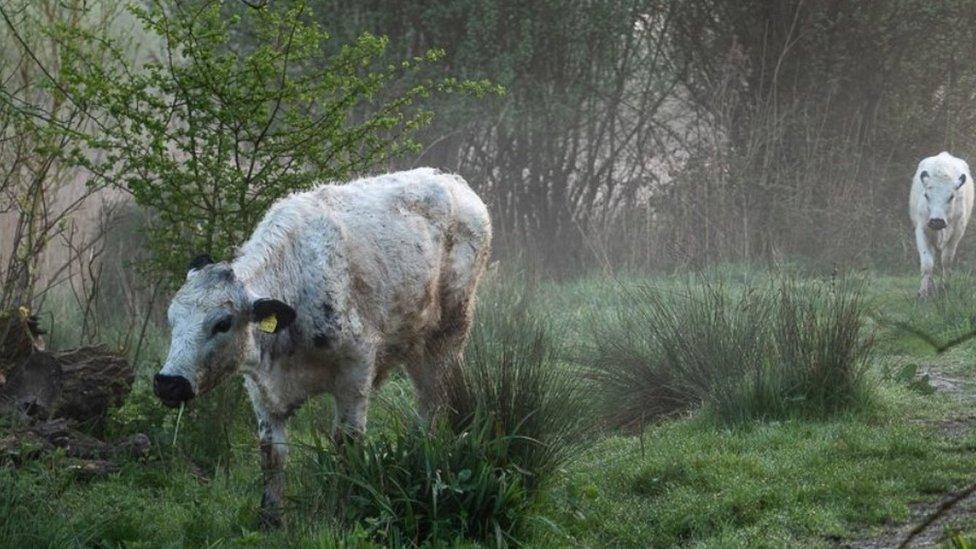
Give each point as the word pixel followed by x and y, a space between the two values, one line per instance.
pixel 213 320
pixel 940 190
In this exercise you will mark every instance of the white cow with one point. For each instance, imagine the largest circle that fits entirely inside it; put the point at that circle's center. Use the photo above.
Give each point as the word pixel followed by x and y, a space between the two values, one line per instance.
pixel 335 287
pixel 940 204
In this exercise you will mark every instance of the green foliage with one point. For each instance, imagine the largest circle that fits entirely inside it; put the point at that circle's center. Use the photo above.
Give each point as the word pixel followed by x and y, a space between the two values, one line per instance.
pixel 765 351
pixel 940 324
pixel 909 376
pixel 214 429
pixel 211 433
pixel 208 133
pixel 959 540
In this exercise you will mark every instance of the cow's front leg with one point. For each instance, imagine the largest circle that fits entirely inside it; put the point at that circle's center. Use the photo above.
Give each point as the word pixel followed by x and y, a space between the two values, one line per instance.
pixel 274 452
pixel 949 256
pixel 352 387
pixel 927 262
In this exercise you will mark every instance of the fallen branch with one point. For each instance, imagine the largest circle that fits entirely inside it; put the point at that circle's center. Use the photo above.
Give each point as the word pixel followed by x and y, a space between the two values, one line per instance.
pixel 937 514
pixel 938 346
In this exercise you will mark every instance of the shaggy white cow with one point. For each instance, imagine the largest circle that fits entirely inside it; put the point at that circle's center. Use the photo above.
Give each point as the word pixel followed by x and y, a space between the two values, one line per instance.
pixel 940 204
pixel 335 287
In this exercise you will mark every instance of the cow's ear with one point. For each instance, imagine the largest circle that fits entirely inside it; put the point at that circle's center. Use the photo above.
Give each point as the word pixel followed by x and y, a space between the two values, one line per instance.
pixel 961 182
pixel 198 263
pixel 271 315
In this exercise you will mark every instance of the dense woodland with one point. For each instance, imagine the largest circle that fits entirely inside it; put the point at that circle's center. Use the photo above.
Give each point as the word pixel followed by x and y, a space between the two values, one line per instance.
pixel 691 132
pixel 622 135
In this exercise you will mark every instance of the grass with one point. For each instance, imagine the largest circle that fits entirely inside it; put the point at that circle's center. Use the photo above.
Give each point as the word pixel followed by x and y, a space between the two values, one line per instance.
pixel 951 315
pixel 794 479
pixel 780 483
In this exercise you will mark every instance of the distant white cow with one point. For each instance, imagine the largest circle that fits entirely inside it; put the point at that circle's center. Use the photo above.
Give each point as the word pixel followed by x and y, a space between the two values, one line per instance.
pixel 335 287
pixel 940 204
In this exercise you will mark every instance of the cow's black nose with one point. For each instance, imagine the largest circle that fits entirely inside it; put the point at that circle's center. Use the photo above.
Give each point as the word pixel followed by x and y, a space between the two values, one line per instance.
pixel 937 224
pixel 172 390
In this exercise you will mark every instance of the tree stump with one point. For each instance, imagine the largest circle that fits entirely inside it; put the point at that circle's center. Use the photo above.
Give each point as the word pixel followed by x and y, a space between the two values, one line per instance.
pixel 46 394
pixel 32 388
pixel 81 384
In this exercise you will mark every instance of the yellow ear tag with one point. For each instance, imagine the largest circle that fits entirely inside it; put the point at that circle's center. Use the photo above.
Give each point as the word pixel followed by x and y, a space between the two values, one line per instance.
pixel 268 324
pixel 24 312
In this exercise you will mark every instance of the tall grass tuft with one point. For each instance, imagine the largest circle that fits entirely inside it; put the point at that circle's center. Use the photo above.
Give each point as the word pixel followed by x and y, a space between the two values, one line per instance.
pixel 514 378
pixel 820 347
pixel 667 351
pixel 414 483
pixel 763 351
pixel 216 426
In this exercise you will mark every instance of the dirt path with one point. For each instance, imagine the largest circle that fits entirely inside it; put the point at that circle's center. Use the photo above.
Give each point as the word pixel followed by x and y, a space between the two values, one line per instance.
pixel 929 521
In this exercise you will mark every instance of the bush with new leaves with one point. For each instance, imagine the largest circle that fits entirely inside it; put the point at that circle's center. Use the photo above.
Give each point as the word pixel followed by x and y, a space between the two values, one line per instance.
pixel 209 132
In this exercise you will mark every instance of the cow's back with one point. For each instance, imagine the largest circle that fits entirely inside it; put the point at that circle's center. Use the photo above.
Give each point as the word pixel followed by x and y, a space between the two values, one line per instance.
pixel 374 258
pixel 399 228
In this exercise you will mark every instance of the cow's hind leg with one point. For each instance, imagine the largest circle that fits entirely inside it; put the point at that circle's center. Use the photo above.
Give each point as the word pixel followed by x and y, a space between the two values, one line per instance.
pixel 442 352
pixel 443 346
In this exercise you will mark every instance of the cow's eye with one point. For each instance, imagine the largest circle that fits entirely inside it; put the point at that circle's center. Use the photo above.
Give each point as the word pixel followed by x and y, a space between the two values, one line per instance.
pixel 926 196
pixel 222 325
pixel 951 196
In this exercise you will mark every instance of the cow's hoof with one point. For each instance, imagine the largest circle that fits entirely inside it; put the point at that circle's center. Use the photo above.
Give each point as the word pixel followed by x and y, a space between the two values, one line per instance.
pixel 342 437
pixel 926 292
pixel 269 519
